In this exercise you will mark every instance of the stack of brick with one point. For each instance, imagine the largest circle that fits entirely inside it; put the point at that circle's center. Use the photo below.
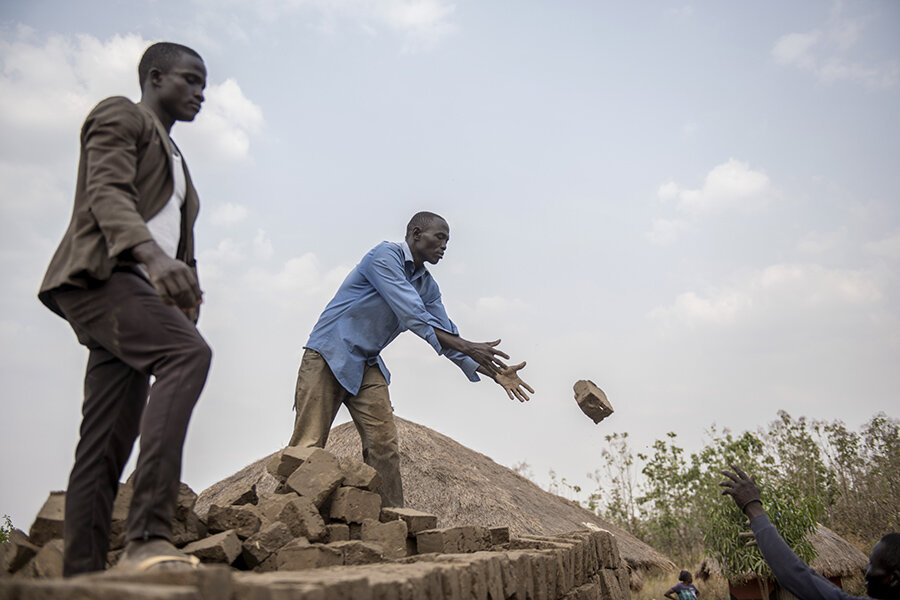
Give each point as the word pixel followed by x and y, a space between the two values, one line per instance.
pixel 578 566
pixel 317 536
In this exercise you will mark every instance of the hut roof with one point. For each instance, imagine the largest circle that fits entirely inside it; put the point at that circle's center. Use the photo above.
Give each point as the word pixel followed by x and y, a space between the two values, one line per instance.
pixel 463 487
pixel 835 556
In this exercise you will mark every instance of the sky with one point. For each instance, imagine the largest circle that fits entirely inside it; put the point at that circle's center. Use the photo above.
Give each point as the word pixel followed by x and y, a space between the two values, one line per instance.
pixel 694 205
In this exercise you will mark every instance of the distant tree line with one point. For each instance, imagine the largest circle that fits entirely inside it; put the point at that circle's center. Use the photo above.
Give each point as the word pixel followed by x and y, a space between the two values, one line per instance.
pixel 808 470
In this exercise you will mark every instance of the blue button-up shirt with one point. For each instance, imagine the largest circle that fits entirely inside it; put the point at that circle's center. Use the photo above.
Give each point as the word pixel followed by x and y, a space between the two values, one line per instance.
pixel 382 297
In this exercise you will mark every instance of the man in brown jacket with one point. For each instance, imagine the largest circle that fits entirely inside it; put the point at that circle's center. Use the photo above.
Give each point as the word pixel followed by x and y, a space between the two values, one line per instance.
pixel 124 278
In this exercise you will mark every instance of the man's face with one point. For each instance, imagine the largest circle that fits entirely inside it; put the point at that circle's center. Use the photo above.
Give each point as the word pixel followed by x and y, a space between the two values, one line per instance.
pixel 180 90
pixel 429 244
pixel 881 581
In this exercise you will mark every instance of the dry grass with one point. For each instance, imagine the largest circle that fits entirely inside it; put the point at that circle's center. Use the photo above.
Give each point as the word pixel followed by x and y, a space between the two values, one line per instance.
pixel 656 585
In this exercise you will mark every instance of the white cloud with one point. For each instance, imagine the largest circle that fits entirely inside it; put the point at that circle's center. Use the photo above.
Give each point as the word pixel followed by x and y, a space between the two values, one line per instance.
pixel 222 129
pixel 820 242
pixel 795 49
pixel 666 231
pixel 731 185
pixel 421 22
pixel 821 52
pixel 229 214
pixel 795 289
pixel 262 245
pixel 48 86
pixel 888 247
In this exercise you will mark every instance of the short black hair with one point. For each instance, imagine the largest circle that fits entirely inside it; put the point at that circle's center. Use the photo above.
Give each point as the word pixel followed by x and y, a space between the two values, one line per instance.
pixel 684 576
pixel 891 542
pixel 162 55
pixel 422 220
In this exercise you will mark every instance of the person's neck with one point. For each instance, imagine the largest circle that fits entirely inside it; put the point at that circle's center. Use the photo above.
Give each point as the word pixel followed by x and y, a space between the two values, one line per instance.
pixel 164 118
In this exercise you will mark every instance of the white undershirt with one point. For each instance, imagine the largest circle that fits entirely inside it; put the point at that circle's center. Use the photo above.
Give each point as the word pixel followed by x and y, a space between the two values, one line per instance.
pixel 165 226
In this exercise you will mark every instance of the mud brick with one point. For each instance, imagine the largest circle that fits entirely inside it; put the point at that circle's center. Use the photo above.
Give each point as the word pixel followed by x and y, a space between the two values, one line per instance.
pixel 334 584
pixel 245 520
pixel 416 520
pixel 120 516
pixel 499 535
pixel 262 544
pixel 301 516
pixel 391 536
pixel 609 584
pixel 189 530
pixel 624 582
pixel 213 582
pixel 359 474
pixel 317 477
pixel 236 493
pixel 336 532
pixel 353 505
pixel 592 400
pixel 271 505
pixel 16 552
pixel 289 460
pixel 357 552
pixel 47 563
pixel 48 524
pixel 223 547
pixel 607 549
pixel 77 589
pixel 446 541
pixel 299 555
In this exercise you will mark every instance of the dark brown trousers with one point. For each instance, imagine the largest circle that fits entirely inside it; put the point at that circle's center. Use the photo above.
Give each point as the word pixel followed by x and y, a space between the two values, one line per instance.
pixel 131 334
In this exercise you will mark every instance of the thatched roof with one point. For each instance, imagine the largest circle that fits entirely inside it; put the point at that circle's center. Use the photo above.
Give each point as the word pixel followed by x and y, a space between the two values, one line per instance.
pixel 463 487
pixel 835 556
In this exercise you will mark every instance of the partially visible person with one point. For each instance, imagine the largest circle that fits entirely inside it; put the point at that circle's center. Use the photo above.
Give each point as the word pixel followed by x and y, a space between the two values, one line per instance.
pixel 882 572
pixel 124 278
pixel 684 589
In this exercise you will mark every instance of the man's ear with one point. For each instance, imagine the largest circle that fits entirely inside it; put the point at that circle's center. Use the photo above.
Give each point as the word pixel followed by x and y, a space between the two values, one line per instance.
pixel 416 233
pixel 154 76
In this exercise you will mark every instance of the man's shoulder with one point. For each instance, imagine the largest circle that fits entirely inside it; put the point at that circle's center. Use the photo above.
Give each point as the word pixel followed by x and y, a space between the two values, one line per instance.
pixel 117 109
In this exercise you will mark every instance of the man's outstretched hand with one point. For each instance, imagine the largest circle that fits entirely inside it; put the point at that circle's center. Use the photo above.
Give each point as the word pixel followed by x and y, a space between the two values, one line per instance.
pixel 486 354
pixel 743 490
pixel 508 378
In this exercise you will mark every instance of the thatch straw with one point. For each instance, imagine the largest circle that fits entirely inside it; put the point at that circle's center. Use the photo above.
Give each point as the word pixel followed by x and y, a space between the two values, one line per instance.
pixel 463 487
pixel 835 557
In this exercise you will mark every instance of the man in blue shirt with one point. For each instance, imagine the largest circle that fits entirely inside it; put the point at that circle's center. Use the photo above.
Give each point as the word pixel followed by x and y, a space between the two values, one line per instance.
pixel 388 292
pixel 882 572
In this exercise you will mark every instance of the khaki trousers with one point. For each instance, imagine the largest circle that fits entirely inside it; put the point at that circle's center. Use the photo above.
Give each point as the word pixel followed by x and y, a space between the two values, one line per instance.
pixel 318 397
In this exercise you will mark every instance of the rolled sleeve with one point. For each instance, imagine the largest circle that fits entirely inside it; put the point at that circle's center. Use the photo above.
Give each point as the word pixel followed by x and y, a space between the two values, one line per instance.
pixel 468 365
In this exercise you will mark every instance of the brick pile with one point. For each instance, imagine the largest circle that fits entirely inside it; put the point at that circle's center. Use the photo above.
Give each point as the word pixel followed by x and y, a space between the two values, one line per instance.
pixel 322 535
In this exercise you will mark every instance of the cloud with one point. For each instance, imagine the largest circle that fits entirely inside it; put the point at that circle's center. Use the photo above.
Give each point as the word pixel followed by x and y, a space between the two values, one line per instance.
pixel 821 52
pixel 796 289
pixel 228 214
pixel 666 231
pixel 819 242
pixel 888 247
pixel 222 130
pixel 420 22
pixel 47 87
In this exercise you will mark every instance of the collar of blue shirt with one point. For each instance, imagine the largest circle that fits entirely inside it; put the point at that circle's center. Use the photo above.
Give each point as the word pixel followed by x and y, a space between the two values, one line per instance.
pixel 411 264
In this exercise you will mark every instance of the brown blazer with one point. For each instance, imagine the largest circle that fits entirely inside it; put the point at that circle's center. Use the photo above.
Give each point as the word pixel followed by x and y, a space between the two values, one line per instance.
pixel 124 179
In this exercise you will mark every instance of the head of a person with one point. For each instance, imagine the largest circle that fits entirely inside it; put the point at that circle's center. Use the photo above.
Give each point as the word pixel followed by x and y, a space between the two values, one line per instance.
pixel 427 235
pixel 883 570
pixel 172 79
pixel 685 577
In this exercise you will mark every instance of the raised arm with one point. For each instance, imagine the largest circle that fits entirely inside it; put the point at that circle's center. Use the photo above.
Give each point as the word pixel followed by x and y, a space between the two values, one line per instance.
pixel 791 572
